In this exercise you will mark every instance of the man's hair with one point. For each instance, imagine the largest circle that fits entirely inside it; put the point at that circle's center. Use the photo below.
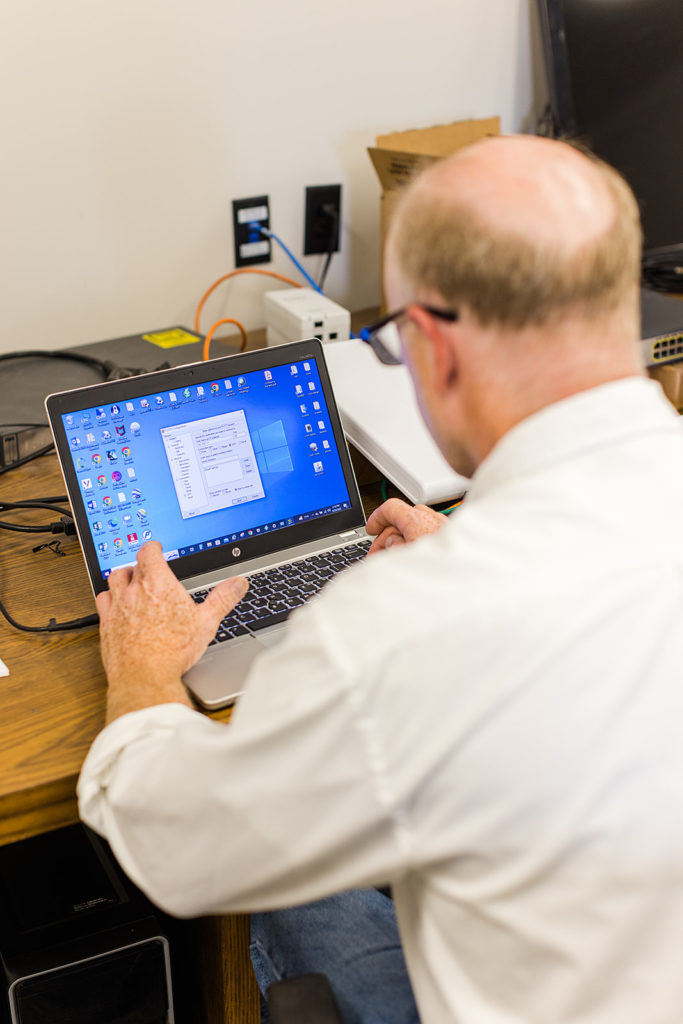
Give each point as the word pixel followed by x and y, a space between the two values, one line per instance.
pixel 509 280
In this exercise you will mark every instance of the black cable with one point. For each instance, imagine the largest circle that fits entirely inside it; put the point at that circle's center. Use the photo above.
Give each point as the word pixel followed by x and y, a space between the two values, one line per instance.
pixel 28 458
pixel 36 503
pixel 53 626
pixel 333 218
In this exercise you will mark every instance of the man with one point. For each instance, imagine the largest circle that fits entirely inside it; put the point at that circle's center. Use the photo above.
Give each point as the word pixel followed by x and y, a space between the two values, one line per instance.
pixel 489 718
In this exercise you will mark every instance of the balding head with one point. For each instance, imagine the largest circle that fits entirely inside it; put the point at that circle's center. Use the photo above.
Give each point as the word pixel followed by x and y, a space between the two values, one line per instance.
pixel 523 231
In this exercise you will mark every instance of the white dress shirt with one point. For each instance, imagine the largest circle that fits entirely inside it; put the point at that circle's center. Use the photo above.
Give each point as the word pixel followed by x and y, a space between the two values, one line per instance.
pixel 491 719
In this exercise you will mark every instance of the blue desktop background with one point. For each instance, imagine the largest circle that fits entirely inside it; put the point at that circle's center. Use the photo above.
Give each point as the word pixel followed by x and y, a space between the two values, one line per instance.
pixel 127 486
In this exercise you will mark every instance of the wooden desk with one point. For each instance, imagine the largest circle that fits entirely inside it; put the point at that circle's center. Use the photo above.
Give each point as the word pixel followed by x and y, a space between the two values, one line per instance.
pixel 53 706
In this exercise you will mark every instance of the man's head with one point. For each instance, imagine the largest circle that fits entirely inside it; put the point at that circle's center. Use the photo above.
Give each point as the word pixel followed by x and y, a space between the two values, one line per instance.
pixel 537 247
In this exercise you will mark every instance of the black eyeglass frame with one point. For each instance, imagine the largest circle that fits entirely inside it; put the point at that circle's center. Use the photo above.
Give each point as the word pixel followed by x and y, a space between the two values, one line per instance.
pixel 369 334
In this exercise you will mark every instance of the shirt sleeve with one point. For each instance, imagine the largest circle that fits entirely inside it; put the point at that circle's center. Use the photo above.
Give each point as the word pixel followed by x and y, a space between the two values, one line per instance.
pixel 287 803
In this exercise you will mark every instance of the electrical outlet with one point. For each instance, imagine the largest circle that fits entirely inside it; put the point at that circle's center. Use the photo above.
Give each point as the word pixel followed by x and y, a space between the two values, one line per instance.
pixel 250 245
pixel 323 214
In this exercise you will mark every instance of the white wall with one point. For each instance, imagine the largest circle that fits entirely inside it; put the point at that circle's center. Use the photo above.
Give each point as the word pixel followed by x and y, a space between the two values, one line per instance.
pixel 128 126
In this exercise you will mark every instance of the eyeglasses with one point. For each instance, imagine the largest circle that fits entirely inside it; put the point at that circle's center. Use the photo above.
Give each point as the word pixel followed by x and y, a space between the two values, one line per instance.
pixel 384 338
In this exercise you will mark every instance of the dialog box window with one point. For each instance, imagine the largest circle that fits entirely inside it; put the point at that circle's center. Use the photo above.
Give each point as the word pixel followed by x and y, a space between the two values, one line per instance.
pixel 212 463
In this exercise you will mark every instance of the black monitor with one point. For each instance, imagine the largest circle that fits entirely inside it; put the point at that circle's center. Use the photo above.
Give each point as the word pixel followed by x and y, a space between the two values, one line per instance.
pixel 615 80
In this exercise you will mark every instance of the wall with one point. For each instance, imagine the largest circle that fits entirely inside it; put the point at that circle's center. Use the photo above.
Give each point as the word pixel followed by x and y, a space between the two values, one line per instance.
pixel 129 127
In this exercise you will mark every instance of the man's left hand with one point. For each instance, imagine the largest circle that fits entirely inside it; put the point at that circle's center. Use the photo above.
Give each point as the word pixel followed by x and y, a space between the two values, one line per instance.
pixel 152 631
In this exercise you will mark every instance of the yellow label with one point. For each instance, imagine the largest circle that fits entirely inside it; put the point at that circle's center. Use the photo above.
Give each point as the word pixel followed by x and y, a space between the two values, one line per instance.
pixel 172 338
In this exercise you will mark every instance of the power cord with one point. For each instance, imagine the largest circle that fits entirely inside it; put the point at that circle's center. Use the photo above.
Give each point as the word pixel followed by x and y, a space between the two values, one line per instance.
pixel 65 525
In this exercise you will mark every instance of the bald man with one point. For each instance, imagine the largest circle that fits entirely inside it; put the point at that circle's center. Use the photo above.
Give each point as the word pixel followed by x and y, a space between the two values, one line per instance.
pixel 486 715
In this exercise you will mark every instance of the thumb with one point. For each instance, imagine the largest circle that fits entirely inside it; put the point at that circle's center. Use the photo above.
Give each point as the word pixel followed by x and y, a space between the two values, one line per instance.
pixel 223 598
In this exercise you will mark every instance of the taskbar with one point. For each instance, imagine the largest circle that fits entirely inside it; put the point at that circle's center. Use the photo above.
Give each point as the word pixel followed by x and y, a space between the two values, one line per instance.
pixel 257 531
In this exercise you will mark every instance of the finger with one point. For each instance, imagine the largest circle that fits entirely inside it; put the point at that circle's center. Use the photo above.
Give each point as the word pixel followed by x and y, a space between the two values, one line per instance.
pixel 151 557
pixel 382 541
pixel 120 578
pixel 222 599
pixel 393 512
pixel 103 603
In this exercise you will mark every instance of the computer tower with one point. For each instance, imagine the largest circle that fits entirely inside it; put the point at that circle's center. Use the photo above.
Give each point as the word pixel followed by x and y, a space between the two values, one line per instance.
pixel 79 943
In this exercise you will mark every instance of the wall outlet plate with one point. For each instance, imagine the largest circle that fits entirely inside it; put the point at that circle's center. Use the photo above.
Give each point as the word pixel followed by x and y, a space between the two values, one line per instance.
pixel 250 245
pixel 322 219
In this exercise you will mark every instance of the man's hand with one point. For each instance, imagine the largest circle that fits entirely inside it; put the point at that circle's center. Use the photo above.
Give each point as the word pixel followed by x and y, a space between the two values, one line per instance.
pixel 396 522
pixel 152 631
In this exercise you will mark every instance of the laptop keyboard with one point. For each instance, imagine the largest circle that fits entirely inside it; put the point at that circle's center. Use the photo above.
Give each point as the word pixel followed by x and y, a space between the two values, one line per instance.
pixel 274 593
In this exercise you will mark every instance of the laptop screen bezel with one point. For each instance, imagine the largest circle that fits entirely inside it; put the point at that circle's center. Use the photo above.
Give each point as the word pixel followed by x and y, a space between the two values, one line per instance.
pixel 210 560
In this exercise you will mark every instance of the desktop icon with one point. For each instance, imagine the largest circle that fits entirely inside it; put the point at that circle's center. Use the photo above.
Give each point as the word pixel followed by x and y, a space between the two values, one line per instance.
pixel 136 494
pixel 241 381
pixel 228 385
pixel 122 497
pixel 100 415
pixel 106 435
pixel 200 390
pixel 87 483
pixel 326 444
pixel 97 526
pixel 311 385
pixel 132 538
pixel 316 406
pixel 214 388
pixel 101 480
pixel 113 523
pixel 303 408
pixel 102 547
pixel 144 403
pixel 111 454
pixel 69 420
pixel 80 464
pixel 172 397
pixel 267 374
pixel 90 438
pixel 125 451
pixel 118 543
pixel 321 424
pixel 106 501
pixel 135 428
pixel 120 431
pixel 307 367
pixel 318 467
pixel 116 476
pixel 187 393
pixel 159 401
pixel 91 505
pixel 130 407
pixel 293 370
pixel 147 535
pixel 298 390
pixel 131 473
pixel 308 428
pixel 115 411
pixel 97 459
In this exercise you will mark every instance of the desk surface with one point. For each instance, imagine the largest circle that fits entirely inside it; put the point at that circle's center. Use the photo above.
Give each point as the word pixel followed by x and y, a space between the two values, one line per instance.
pixel 53 701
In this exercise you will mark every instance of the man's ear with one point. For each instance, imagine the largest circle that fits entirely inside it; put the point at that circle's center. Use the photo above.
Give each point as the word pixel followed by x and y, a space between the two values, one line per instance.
pixel 443 354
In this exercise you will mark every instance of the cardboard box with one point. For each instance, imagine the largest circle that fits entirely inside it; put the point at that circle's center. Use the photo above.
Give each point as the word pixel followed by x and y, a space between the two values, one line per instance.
pixel 398 157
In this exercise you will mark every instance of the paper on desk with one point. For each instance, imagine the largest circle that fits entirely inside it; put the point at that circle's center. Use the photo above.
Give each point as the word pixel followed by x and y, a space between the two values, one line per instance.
pixel 4 671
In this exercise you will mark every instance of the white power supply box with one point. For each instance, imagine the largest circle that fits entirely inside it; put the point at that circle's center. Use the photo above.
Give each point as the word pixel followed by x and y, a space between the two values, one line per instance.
pixel 293 314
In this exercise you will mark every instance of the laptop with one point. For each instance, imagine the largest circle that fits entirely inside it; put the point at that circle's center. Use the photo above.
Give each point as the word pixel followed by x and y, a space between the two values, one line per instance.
pixel 237 466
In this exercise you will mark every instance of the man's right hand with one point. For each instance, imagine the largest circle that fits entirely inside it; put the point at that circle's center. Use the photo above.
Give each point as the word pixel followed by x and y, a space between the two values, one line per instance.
pixel 396 522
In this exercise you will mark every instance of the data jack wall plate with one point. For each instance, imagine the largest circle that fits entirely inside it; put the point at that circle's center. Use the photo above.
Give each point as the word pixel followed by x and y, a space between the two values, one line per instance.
pixel 321 231
pixel 250 245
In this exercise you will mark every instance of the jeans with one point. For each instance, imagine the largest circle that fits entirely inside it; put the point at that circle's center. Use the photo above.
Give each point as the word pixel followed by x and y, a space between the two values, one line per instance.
pixel 353 939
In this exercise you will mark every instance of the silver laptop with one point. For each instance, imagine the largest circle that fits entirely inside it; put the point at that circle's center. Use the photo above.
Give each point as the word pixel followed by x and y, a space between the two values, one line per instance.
pixel 236 466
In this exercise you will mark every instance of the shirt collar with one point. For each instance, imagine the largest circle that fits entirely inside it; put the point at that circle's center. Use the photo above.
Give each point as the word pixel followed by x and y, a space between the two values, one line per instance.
pixel 591 419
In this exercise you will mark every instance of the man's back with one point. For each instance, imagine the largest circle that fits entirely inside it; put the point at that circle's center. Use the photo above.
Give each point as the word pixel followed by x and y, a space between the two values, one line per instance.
pixel 529 720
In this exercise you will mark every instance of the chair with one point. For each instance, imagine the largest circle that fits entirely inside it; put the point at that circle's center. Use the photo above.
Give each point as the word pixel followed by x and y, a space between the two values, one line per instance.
pixel 304 999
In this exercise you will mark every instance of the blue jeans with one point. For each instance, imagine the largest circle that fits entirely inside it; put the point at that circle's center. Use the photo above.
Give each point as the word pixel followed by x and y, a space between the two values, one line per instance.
pixel 353 939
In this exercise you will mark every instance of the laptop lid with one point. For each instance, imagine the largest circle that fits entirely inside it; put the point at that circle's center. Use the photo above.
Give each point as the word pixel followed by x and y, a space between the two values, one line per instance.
pixel 222 462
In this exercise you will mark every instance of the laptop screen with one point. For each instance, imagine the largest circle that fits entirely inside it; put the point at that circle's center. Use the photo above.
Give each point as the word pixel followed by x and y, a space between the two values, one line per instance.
pixel 200 457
